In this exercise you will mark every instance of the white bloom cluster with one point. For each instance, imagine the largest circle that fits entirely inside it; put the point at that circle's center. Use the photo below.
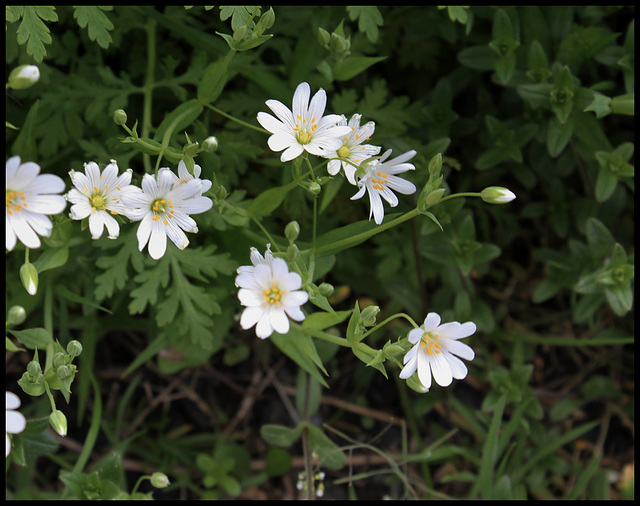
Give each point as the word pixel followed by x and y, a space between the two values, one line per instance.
pixel 306 129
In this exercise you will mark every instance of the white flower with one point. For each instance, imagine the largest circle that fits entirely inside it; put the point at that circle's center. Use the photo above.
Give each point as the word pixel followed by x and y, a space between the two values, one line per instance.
pixel 23 77
pixel 434 350
pixel 184 175
pixel 16 421
pixel 352 148
pixel 304 129
pixel 271 293
pixel 380 179
pixel 29 197
pixel 497 195
pixel 97 196
pixel 163 210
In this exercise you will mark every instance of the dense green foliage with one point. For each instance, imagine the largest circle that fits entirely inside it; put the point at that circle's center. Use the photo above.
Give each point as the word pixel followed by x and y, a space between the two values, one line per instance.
pixel 538 100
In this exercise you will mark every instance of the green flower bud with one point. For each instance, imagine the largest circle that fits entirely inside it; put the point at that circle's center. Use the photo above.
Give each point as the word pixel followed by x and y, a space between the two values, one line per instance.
pixel 268 19
pixel 16 315
pixel 23 77
pixel 368 315
pixel 339 44
pixel 393 350
pixel 191 150
pixel 497 195
pixel 292 252
pixel 434 197
pixel 238 34
pixel 33 386
pixel 159 480
pixel 324 37
pixel 29 278
pixel 59 359
pixel 414 384
pixel 221 193
pixel 292 230
pixel 74 348
pixel 326 289
pixel 119 117
pixel 34 369
pixel 435 165
pixel 314 188
pixel 210 144
pixel 64 371
pixel 59 422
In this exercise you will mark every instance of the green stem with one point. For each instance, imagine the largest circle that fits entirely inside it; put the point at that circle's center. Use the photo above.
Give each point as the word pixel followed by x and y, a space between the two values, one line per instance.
pixel 266 233
pixel 239 121
pixel 387 320
pixel 148 88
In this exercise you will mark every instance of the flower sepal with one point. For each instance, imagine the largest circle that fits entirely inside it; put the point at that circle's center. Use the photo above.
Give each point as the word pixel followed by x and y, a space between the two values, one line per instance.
pixel 414 384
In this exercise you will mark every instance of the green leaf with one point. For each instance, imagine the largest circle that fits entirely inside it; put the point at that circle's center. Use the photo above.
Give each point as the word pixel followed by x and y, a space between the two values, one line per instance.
pixel 96 21
pixel 558 135
pixel 606 184
pixel 301 349
pixel 478 57
pixel 63 291
pixel 369 19
pixel 33 338
pixel 279 435
pixel 601 241
pixel 213 80
pixel 327 451
pixel 25 144
pixel 354 65
pixel 324 320
pixel 178 119
pixel 34 32
pixel 51 259
pixel 269 200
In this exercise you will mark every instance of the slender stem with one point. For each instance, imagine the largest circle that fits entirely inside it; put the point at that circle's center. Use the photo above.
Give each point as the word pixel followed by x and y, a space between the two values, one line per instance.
pixel 148 88
pixel 312 259
pixel 387 320
pixel 266 232
pixel 239 121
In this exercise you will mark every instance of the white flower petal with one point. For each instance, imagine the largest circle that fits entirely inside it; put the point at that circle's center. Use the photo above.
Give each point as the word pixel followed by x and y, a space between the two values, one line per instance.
pixel 441 370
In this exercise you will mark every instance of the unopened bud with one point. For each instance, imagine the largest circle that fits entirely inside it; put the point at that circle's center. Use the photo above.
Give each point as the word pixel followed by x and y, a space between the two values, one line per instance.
pixel 326 289
pixel 324 37
pixel 292 252
pixel 393 350
pixel 23 77
pixel 268 18
pixel 34 369
pixel 497 195
pixel 414 384
pixel 292 230
pixel 210 144
pixel 434 197
pixel 29 278
pixel 339 44
pixel 368 315
pixel 191 150
pixel 119 117
pixel 221 193
pixel 238 34
pixel 16 315
pixel 59 422
pixel 74 348
pixel 435 165
pixel 314 188
pixel 64 371
pixel 159 480
pixel 59 359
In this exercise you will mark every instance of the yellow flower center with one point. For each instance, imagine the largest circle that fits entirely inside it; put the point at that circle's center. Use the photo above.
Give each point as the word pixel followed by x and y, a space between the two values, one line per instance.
pixel 97 201
pixel 344 151
pixel 382 180
pixel 429 343
pixel 272 295
pixel 15 201
pixel 304 132
pixel 162 209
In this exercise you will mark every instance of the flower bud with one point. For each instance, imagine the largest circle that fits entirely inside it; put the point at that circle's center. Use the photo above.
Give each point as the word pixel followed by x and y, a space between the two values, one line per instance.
pixel 64 371
pixel 325 289
pixel 238 34
pixel 29 278
pixel 339 44
pixel 434 197
pixel 159 480
pixel 34 369
pixel 324 37
pixel 74 348
pixel 31 385
pixel 23 77
pixel 292 252
pixel 414 384
pixel 268 18
pixel 435 165
pixel 292 230
pixel 210 144
pixel 190 150
pixel 497 195
pixel 393 350
pixel 314 188
pixel 368 315
pixel 16 315
pixel 59 359
pixel 221 193
pixel 59 422
pixel 119 117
